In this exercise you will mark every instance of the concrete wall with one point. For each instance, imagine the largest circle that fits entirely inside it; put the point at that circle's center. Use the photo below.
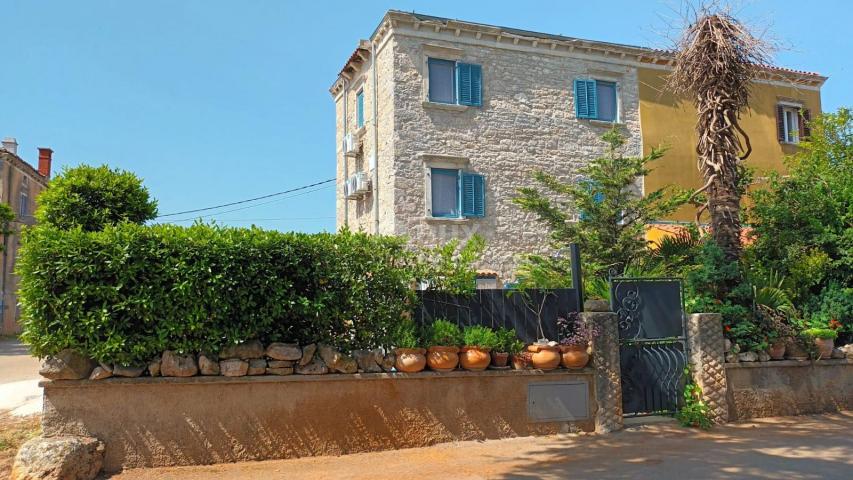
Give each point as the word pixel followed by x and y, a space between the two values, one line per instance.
pixel 203 420
pixel 788 387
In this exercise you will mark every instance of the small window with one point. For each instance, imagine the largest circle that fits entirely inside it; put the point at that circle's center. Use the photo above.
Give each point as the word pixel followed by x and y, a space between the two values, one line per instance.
pixel 457 194
pixel 596 100
pixel 455 82
pixel 359 109
pixel 24 207
pixel 791 124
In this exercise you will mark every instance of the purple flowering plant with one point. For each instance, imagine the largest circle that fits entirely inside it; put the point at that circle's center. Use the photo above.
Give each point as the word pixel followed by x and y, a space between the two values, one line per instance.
pixel 574 331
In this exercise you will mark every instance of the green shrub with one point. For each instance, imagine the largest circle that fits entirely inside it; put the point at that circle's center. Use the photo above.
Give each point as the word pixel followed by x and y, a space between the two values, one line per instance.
pixel 479 336
pixel 445 334
pixel 507 341
pixel 129 292
pixel 822 333
pixel 93 197
pixel 405 335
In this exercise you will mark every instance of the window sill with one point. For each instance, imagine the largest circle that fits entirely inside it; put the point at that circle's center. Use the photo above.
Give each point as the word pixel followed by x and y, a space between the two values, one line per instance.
pixel 451 107
pixel 430 219
pixel 605 123
pixel 360 132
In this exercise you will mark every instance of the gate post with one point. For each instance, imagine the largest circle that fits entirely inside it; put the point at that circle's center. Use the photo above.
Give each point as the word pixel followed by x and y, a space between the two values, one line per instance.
pixel 605 360
pixel 707 355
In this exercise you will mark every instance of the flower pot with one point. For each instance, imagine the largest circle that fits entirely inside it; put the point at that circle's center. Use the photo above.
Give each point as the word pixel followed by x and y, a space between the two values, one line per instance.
pixel 795 351
pixel 545 357
pixel 410 360
pixel 442 359
pixel 520 361
pixel 777 350
pixel 574 356
pixel 474 359
pixel 500 359
pixel 824 347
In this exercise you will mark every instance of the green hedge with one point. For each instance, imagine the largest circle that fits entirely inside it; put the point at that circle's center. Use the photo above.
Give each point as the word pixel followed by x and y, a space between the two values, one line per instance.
pixel 130 292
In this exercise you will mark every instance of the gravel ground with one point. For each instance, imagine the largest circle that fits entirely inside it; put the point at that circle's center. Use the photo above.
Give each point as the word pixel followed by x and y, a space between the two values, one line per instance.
pixel 808 447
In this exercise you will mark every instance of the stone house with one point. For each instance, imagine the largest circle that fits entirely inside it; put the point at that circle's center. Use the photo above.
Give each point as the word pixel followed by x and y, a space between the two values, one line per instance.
pixel 20 184
pixel 440 121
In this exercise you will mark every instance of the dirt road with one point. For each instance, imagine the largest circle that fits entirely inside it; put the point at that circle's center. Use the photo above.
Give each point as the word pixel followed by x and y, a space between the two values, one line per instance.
pixel 812 447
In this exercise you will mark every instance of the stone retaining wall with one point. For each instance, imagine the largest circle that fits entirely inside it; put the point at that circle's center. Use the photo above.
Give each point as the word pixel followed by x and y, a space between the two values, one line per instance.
pixel 148 422
pixel 788 387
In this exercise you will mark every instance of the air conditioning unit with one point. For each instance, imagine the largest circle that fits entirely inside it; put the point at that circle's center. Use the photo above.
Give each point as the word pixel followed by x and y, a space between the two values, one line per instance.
pixel 362 183
pixel 350 188
pixel 350 146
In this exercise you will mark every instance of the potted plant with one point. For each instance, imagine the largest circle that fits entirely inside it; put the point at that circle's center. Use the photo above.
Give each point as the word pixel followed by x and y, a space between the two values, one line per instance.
pixel 824 340
pixel 479 341
pixel 576 335
pixel 500 354
pixel 518 357
pixel 443 351
pixel 410 357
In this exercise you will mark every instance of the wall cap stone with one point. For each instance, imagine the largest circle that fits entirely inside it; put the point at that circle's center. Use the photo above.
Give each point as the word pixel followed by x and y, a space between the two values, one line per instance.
pixel 792 363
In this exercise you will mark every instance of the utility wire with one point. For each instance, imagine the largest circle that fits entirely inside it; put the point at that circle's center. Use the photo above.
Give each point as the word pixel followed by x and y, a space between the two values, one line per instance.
pixel 255 205
pixel 246 201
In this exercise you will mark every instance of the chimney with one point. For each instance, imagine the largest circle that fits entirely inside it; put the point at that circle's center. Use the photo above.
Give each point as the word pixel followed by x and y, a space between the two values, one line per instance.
pixel 45 158
pixel 10 145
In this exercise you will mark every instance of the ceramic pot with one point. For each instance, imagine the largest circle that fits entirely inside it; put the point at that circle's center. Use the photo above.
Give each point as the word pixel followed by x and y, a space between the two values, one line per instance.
pixel 520 361
pixel 474 359
pixel 410 360
pixel 777 350
pixel 574 356
pixel 442 359
pixel 795 351
pixel 545 357
pixel 499 359
pixel 824 347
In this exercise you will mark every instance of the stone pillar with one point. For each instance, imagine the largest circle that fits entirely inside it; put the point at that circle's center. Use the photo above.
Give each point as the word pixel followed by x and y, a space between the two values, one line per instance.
pixel 707 357
pixel 605 360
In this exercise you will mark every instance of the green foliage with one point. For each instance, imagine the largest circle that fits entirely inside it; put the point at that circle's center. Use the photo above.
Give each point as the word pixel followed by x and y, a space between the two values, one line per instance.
pixel 611 230
pixel 405 335
pixel 7 216
pixel 507 341
pixel 450 268
pixel 129 292
pixel 93 197
pixel 444 334
pixel 833 307
pixel 695 412
pixel 479 336
pixel 823 333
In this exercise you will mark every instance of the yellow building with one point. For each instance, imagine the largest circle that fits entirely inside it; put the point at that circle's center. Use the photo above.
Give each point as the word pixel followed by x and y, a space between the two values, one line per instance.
pixel 780 103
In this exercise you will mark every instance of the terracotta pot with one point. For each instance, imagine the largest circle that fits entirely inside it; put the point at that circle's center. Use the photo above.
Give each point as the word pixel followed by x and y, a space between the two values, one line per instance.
pixel 545 357
pixel 795 351
pixel 521 361
pixel 824 347
pixel 442 359
pixel 499 359
pixel 474 359
pixel 574 356
pixel 410 360
pixel 777 350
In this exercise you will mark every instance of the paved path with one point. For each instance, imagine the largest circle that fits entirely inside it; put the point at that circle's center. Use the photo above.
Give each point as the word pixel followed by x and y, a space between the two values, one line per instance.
pixel 812 447
pixel 19 390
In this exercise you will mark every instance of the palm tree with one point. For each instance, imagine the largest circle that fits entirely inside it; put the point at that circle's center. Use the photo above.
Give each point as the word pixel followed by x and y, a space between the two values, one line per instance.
pixel 716 61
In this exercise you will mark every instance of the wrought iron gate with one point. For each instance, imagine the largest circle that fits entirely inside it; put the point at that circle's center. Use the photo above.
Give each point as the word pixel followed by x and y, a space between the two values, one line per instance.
pixel 652 343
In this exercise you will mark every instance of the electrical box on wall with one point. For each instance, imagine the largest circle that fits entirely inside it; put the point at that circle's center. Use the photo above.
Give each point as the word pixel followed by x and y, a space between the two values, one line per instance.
pixel 558 401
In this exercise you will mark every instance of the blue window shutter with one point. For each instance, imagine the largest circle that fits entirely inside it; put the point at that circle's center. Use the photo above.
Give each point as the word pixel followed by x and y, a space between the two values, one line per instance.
pixel 469 84
pixel 359 109
pixel 597 197
pixel 476 85
pixel 586 101
pixel 473 195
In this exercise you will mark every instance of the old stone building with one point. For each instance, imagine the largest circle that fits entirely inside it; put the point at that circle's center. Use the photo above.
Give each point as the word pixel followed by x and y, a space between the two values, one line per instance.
pixel 440 121
pixel 20 184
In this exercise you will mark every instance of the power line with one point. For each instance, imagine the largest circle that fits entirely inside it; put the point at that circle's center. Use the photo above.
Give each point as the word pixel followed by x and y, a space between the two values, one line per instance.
pixel 304 192
pixel 247 200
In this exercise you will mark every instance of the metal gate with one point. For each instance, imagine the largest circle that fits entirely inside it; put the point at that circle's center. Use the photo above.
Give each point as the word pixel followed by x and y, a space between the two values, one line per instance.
pixel 652 343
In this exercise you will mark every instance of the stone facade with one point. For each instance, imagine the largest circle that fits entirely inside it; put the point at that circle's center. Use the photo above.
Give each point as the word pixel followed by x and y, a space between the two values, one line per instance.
pixel 605 360
pixel 705 343
pixel 526 122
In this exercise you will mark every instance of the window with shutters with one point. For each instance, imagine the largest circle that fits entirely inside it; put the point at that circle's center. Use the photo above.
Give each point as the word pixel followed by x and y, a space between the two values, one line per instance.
pixel 792 123
pixel 359 109
pixel 596 100
pixel 455 82
pixel 456 193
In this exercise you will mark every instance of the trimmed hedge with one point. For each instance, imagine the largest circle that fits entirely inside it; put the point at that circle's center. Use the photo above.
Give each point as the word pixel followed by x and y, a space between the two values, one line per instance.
pixel 129 292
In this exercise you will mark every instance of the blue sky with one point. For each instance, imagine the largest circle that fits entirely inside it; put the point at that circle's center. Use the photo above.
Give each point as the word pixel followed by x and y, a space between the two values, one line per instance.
pixel 216 101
